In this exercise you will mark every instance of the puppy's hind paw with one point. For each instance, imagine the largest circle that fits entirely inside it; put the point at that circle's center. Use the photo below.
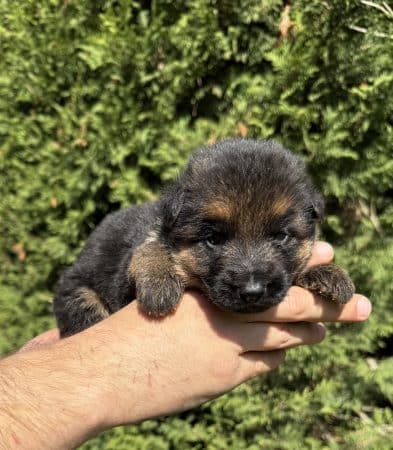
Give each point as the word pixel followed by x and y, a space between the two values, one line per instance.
pixel 329 281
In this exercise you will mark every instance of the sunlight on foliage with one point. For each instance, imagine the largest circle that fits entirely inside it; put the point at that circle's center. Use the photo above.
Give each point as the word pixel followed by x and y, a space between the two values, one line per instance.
pixel 100 105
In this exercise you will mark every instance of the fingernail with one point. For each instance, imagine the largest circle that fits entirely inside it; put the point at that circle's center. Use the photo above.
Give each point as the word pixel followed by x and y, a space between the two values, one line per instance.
pixel 363 308
pixel 321 330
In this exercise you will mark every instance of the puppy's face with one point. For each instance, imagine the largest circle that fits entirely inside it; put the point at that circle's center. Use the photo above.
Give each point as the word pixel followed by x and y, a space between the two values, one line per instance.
pixel 241 223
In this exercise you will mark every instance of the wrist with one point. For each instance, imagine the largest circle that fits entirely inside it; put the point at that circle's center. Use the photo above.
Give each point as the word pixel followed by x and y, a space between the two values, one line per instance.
pixel 93 380
pixel 136 371
pixel 118 370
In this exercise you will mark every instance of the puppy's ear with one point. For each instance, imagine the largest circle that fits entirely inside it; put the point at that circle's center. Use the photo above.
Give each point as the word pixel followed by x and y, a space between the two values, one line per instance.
pixel 171 205
pixel 318 207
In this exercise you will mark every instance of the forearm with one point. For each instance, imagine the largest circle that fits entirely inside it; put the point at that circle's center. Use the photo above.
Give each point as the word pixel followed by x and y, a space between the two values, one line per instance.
pixel 48 398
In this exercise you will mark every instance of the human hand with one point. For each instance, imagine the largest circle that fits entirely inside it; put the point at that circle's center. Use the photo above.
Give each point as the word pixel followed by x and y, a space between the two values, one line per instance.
pixel 200 352
pixel 128 367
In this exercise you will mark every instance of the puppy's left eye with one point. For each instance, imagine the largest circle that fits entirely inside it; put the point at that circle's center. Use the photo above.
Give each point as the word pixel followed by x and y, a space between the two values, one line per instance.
pixel 281 237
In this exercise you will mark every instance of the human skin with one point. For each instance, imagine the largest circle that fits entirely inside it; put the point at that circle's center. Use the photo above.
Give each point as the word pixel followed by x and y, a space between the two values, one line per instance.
pixel 128 368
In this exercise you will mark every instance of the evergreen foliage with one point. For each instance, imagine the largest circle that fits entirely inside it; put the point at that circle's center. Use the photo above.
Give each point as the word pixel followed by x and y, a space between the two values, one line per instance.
pixel 101 102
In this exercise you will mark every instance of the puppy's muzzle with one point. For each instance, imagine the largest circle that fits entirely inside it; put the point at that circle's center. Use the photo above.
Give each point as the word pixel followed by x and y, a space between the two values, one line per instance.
pixel 256 286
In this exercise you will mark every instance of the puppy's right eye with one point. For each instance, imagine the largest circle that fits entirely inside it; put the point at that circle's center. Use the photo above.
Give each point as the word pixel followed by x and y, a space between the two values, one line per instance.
pixel 214 239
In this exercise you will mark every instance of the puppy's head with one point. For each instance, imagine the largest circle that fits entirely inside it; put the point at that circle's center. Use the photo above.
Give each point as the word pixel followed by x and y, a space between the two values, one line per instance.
pixel 240 222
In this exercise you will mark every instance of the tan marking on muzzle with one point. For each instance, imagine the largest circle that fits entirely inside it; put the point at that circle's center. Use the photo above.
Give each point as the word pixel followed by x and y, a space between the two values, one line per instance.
pixel 304 254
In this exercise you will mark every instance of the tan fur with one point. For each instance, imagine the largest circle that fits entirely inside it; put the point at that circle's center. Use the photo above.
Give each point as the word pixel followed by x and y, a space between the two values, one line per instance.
pixel 304 253
pixel 159 282
pixel 150 257
pixel 218 210
pixel 91 301
pixel 280 206
pixel 154 258
pixel 186 267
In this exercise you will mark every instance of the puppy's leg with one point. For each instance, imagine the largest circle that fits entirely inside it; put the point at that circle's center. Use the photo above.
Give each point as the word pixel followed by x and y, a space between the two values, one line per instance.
pixel 159 285
pixel 329 281
pixel 77 309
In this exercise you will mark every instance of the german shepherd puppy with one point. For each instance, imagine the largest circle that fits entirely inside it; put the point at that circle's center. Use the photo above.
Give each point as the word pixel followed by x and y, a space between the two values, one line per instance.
pixel 238 224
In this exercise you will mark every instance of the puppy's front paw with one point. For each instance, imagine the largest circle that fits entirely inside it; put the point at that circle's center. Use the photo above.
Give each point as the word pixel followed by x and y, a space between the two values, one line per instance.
pixel 159 296
pixel 159 287
pixel 329 281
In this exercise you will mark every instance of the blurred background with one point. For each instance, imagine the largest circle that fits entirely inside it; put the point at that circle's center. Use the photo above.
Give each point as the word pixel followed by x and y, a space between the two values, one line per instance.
pixel 101 102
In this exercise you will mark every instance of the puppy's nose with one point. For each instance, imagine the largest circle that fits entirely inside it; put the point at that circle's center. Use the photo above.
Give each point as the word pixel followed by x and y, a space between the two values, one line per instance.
pixel 253 289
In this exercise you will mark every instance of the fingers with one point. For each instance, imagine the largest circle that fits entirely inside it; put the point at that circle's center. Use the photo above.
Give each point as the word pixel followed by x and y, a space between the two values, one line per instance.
pixel 49 337
pixel 322 253
pixel 267 337
pixel 302 305
pixel 256 363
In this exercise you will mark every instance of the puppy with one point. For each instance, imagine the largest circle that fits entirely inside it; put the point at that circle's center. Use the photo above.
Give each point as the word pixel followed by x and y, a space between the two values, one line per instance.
pixel 238 224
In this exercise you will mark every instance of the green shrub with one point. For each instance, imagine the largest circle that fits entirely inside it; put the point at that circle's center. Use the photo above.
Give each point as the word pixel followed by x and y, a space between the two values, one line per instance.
pixel 101 102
